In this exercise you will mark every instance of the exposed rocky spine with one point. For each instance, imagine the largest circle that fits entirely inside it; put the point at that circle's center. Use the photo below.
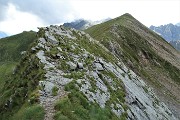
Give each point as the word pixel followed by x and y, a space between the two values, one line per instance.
pixel 98 78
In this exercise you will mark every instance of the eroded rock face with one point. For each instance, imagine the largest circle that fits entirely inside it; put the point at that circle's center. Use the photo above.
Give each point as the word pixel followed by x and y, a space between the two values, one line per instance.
pixel 140 98
pixel 97 79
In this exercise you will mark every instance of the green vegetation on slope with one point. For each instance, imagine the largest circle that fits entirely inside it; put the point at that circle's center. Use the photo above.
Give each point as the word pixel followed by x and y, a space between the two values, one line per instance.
pixel 10 52
pixel 76 107
pixel 137 46
pixel 15 86
pixel 29 112
pixel 134 48
pixel 11 47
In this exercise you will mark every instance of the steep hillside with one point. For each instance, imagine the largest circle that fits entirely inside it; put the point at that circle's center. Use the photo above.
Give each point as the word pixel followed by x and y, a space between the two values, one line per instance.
pixel 11 47
pixel 10 52
pixel 68 75
pixel 175 44
pixel 146 53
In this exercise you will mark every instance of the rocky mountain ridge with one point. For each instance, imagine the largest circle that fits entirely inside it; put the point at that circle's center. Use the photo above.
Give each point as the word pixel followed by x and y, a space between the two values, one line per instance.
pixel 71 75
pixel 145 52
pixel 137 98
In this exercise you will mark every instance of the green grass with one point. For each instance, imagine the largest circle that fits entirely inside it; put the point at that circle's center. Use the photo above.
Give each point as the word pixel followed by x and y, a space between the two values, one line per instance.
pixel 17 87
pixel 10 52
pixel 76 107
pixel 11 47
pixel 130 43
pixel 33 112
pixel 54 91
pixel 5 70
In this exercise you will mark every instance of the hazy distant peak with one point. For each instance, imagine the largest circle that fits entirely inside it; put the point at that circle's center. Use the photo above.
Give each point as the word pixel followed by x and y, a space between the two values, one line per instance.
pixel 169 32
pixel 82 24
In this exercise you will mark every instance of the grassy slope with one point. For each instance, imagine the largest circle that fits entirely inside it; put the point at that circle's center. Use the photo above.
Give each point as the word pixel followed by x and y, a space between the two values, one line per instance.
pixel 142 50
pixel 10 52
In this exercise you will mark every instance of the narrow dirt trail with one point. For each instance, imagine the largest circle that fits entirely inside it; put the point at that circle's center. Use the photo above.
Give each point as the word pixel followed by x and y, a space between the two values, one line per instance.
pixel 48 103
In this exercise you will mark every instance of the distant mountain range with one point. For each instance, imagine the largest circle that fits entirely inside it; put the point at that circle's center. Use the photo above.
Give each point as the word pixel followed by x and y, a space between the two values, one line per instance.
pixel 170 33
pixel 2 34
pixel 82 24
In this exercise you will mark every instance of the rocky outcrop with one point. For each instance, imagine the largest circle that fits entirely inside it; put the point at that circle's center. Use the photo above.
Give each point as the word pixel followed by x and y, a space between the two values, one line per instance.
pixel 100 81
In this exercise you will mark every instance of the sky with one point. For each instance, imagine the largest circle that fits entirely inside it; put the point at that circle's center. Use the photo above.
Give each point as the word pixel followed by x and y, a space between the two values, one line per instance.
pixel 23 15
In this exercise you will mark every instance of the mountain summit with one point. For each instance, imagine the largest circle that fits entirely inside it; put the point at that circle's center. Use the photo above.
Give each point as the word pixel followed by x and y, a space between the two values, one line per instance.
pixel 112 71
pixel 145 52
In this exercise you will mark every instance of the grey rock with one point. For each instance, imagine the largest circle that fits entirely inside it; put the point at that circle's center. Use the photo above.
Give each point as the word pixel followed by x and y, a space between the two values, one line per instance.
pixel 101 61
pixel 47 86
pixel 117 111
pixel 80 65
pixel 98 66
pixel 33 49
pixel 51 38
pixel 41 45
pixel 57 78
pixel 43 60
pixel 72 65
pixel 139 102
pixel 42 40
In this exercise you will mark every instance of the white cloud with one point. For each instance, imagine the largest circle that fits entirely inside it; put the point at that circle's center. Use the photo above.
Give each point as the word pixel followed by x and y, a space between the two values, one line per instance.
pixel 149 12
pixel 28 15
pixel 17 21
